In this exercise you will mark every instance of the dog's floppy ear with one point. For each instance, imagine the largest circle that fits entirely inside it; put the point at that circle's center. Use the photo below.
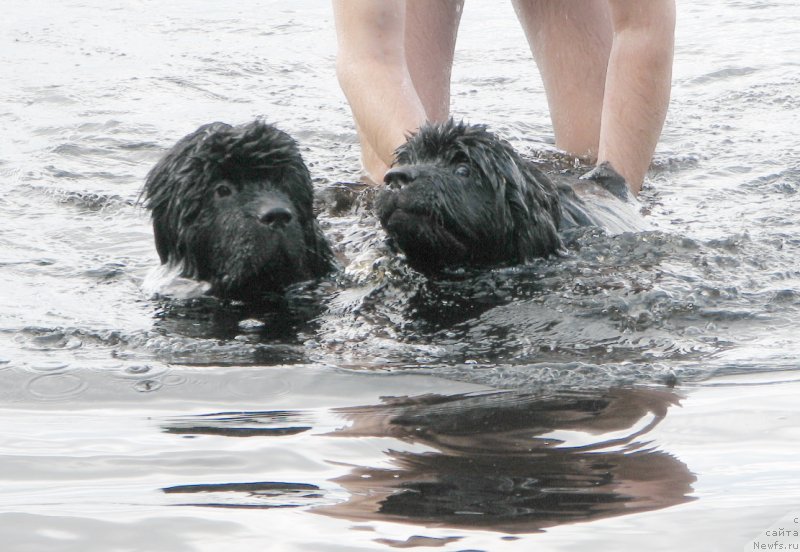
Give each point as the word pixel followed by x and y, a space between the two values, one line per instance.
pixel 534 205
pixel 173 180
pixel 530 197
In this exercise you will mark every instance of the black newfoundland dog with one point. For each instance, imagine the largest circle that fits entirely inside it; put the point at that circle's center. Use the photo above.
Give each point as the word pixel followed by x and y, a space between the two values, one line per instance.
pixel 232 206
pixel 459 196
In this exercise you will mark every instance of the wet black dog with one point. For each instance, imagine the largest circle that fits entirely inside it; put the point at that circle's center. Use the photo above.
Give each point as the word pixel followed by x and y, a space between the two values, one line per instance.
pixel 459 196
pixel 232 206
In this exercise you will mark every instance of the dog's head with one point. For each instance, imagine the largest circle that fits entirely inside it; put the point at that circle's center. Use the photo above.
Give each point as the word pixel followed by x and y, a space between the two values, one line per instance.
pixel 233 206
pixel 459 196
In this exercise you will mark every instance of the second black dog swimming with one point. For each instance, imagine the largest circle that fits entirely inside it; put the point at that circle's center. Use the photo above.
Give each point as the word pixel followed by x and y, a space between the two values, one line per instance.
pixel 459 196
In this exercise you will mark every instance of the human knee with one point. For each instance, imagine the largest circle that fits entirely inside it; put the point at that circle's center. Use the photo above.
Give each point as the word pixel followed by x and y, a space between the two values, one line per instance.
pixel 654 16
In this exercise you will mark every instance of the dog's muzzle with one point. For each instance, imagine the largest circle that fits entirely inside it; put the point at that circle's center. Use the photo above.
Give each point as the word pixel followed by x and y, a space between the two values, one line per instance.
pixel 275 216
pixel 397 177
pixel 407 211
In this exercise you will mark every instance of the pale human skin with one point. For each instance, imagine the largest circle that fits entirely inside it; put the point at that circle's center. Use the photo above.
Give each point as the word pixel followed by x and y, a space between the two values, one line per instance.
pixel 606 66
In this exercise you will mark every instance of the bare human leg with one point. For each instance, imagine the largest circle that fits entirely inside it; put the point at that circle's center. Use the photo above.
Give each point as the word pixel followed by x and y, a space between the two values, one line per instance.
pixel 394 65
pixel 431 30
pixel 607 68
pixel 372 71
pixel 571 43
pixel 638 85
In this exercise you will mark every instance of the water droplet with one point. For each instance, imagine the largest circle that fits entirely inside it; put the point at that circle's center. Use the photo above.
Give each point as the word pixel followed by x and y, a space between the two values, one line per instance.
pixel 148 385
pixel 251 325
pixel 137 369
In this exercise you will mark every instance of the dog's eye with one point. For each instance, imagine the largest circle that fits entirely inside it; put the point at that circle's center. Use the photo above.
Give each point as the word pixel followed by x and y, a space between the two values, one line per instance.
pixel 462 170
pixel 223 190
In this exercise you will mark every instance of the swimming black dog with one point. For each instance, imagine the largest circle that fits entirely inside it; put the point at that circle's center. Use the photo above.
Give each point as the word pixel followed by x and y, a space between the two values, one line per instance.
pixel 459 196
pixel 232 206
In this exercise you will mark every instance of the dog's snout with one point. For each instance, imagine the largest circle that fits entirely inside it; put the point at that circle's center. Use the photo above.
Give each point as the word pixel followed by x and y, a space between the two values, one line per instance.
pixel 399 176
pixel 275 216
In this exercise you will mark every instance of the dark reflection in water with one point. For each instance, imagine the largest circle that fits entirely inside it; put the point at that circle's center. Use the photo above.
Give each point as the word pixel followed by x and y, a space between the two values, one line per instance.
pixel 510 462
pixel 268 494
pixel 238 424
pixel 506 461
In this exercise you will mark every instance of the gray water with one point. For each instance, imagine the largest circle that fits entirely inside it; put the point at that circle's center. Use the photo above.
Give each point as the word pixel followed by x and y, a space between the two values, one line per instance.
pixel 638 392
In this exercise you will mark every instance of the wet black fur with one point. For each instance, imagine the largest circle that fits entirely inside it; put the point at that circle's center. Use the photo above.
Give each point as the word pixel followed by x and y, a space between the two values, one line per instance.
pixel 460 196
pixel 211 197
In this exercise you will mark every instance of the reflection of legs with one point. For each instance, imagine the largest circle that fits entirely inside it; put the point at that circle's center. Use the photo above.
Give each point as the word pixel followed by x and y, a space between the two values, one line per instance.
pixel 394 67
pixel 571 43
pixel 638 85
pixel 431 29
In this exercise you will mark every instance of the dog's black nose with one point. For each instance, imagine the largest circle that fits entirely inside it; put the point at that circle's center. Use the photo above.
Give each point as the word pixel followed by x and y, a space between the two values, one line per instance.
pixel 276 217
pixel 399 176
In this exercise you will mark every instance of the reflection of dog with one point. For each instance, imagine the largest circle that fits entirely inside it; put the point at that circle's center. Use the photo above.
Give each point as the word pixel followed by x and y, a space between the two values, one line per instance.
pixel 513 462
pixel 232 206
pixel 460 196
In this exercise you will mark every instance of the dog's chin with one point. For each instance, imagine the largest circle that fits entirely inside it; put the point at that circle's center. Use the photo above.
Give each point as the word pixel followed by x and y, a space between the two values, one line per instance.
pixel 252 287
pixel 255 285
pixel 270 268
pixel 429 246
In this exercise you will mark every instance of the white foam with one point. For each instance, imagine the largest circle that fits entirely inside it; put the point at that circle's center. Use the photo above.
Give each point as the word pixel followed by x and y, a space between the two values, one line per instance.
pixel 166 281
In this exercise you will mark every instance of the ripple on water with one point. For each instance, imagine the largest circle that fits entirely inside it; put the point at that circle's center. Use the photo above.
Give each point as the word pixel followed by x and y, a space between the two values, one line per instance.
pixel 47 339
pixel 49 366
pixel 65 338
pixel 140 372
pixel 265 384
pixel 56 387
